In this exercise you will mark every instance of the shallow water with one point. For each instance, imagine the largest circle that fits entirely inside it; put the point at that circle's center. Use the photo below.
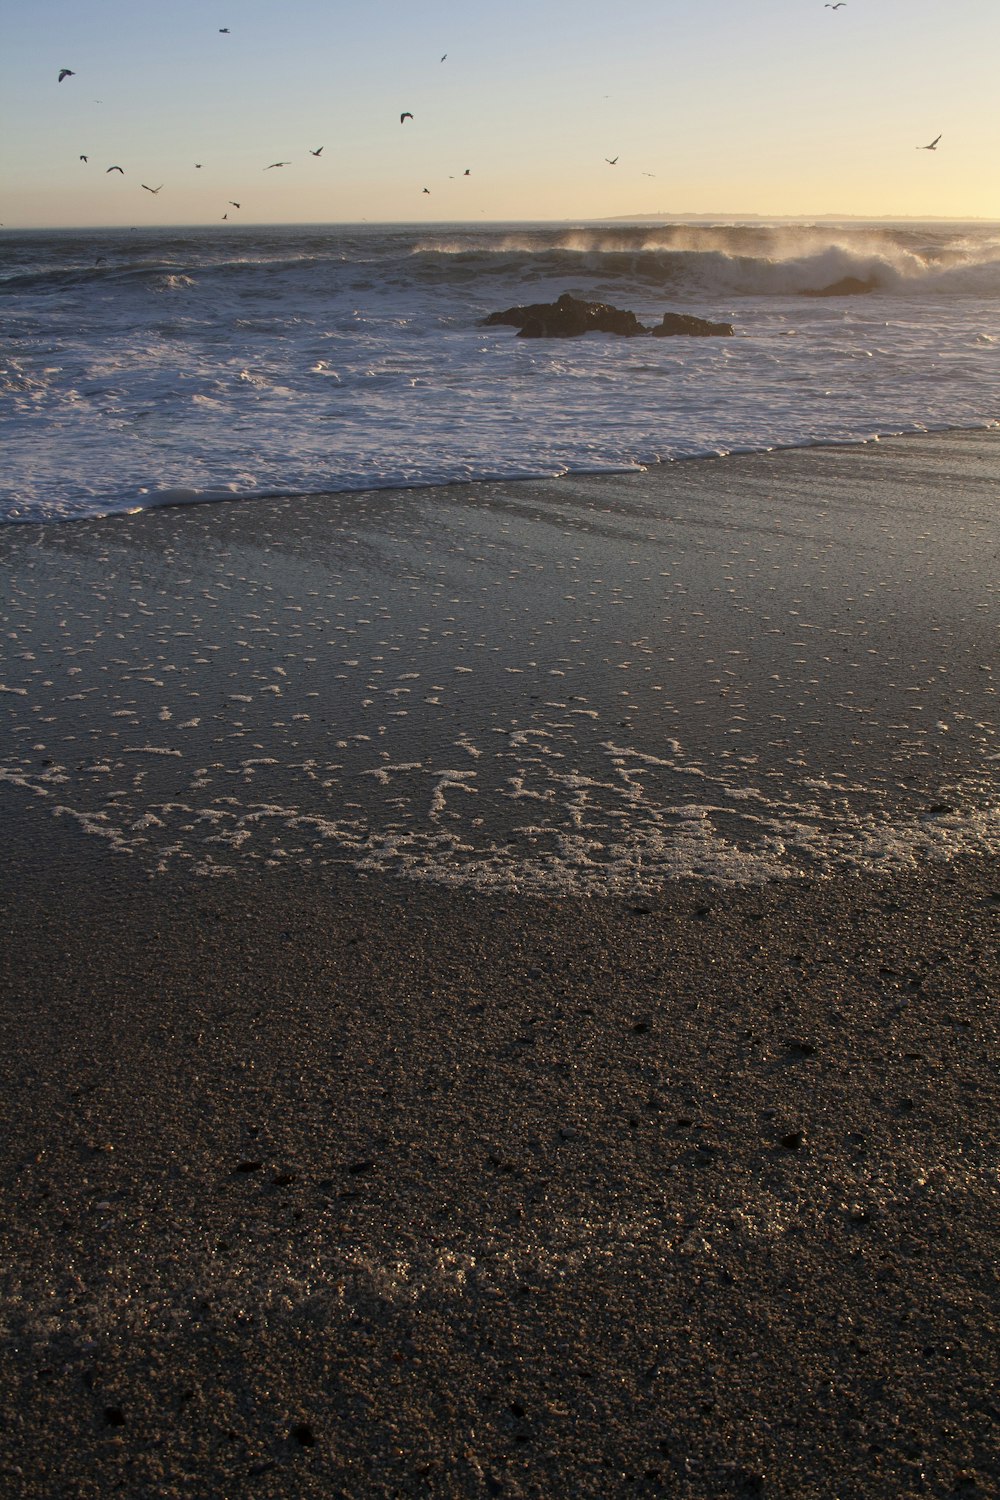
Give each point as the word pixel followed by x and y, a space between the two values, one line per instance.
pixel 746 669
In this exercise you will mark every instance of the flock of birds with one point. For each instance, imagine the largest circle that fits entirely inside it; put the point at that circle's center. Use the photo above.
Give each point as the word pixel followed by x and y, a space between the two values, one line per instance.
pixel 405 115
pixel 318 151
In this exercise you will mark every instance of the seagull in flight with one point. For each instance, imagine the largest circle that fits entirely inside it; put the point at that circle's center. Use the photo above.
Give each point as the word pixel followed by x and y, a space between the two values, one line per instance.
pixel 611 160
pixel 84 158
pixel 932 146
pixel 66 73
pixel 223 30
pixel 233 203
pixel 318 152
pixel 445 55
pixel 426 190
pixel 149 189
pixel 278 164
pixel 115 169
pixel 838 6
pixel 405 116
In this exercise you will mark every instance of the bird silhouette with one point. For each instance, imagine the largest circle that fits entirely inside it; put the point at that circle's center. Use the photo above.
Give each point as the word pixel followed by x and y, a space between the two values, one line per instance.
pixel 149 189
pixel 115 169
pixel 225 217
pixel 278 164
pixel 426 190
pixel 66 73
pixel 838 6
pixel 198 165
pixel 233 203
pixel 611 160
pixel 405 116
pixel 84 158
pixel 932 146
pixel 317 152
pixel 445 55
pixel 223 30
pixel 467 172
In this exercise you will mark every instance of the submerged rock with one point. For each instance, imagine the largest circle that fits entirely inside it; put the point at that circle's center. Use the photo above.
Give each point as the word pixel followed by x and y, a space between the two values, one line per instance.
pixel 570 316
pixel 847 286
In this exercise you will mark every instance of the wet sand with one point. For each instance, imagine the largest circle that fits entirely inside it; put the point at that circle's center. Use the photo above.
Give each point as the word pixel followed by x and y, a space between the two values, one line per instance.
pixel 319 1180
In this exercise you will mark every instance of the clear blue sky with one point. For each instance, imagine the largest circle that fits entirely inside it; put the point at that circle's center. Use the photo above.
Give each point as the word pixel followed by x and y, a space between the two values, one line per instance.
pixel 776 107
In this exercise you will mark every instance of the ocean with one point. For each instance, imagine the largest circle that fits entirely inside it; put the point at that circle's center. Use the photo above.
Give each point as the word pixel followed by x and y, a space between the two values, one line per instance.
pixel 147 367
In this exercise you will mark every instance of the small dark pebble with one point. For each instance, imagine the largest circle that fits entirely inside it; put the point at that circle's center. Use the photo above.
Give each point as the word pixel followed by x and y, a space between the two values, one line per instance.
pixel 793 1140
pixel 702 913
pixel 802 1049
pixel 304 1435
pixel 357 1167
pixel 249 1166
pixel 641 1026
pixel 114 1416
pixel 282 1179
pixel 641 910
pixel 906 1103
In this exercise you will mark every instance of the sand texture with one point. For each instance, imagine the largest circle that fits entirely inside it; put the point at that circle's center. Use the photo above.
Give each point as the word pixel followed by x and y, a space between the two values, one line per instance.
pixel 326 1174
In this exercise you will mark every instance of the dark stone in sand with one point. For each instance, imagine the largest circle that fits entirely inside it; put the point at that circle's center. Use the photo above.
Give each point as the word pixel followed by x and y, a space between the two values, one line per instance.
pixel 847 286
pixel 685 324
pixel 570 316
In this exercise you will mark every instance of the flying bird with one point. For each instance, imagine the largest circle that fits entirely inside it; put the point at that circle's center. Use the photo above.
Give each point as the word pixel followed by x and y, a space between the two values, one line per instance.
pixel 149 189
pixel 611 160
pixel 426 190
pixel 467 172
pixel 115 169
pixel 278 164
pixel 84 158
pixel 932 146
pixel 198 165
pixel 225 217
pixel 445 55
pixel 838 6
pixel 223 30
pixel 318 152
pixel 405 116
pixel 66 73
pixel 233 203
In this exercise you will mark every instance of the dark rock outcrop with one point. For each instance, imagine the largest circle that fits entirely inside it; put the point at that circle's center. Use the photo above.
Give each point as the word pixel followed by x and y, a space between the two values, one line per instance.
pixel 847 286
pixel 683 323
pixel 570 316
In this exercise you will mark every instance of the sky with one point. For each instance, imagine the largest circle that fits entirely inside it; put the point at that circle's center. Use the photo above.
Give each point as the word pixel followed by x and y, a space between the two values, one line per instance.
pixel 556 109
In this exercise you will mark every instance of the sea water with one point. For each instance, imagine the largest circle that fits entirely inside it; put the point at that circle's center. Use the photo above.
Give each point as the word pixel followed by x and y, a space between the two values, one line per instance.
pixel 146 367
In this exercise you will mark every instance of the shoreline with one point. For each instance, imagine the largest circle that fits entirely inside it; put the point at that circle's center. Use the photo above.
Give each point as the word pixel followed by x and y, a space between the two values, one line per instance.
pixel 640 467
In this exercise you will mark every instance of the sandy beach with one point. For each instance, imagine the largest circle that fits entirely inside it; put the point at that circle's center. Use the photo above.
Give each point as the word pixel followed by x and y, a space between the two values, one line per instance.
pixel 499 988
